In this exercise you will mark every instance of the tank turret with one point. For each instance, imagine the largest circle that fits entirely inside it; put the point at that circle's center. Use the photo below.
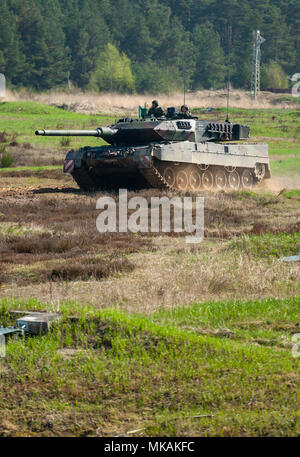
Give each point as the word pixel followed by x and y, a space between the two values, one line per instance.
pixel 143 131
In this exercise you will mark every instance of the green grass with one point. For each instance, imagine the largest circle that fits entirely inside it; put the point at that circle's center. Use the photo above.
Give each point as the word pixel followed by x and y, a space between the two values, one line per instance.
pixel 24 118
pixel 292 194
pixel 267 322
pixel 290 148
pixel 270 123
pixel 6 160
pixel 106 372
pixel 113 372
pixel 34 169
pixel 286 167
pixel 268 244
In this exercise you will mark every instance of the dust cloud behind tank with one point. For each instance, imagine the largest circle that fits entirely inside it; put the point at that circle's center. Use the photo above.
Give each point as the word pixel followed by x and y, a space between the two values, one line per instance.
pixel 174 151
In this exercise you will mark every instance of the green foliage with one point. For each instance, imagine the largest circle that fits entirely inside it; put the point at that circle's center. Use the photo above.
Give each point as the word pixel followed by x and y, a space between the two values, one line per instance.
pixel 11 57
pixel 155 78
pixel 210 61
pixel 237 378
pixel 65 141
pixel 293 194
pixel 6 160
pixel 43 44
pixel 269 245
pixel 113 72
pixel 46 44
pixel 273 76
pixel 25 117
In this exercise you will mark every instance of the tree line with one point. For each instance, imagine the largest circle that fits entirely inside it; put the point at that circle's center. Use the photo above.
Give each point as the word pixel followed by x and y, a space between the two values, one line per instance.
pixel 146 45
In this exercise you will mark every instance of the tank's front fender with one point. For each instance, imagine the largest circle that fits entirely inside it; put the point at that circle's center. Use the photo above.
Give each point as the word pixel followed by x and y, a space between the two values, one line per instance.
pixel 74 160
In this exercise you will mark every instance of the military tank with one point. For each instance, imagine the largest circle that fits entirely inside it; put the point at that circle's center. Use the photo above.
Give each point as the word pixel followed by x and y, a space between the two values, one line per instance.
pixel 173 152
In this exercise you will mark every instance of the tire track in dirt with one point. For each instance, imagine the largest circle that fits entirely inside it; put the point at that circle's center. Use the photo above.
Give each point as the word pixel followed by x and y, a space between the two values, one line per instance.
pixel 29 191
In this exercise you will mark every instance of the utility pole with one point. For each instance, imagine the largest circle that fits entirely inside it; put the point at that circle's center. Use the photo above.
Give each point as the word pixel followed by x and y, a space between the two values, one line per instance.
pixel 255 80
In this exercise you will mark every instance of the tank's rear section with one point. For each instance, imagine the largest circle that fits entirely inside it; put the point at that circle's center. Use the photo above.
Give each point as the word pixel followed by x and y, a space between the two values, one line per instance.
pixel 197 166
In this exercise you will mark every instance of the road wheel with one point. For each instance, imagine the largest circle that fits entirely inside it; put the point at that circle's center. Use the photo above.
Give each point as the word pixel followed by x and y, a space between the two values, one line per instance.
pixel 203 166
pixel 182 180
pixel 207 180
pixel 195 180
pixel 234 180
pixel 247 179
pixel 260 171
pixel 220 179
pixel 169 176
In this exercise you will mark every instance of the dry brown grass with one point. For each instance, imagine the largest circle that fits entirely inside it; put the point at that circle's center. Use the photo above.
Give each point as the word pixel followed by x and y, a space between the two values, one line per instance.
pixel 174 275
pixel 26 154
pixel 54 174
pixel 114 103
pixel 47 239
pixel 48 236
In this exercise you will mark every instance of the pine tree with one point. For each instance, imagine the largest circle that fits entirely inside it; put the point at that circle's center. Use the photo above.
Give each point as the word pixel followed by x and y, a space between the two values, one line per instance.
pixel 43 41
pixel 11 59
pixel 87 35
pixel 210 62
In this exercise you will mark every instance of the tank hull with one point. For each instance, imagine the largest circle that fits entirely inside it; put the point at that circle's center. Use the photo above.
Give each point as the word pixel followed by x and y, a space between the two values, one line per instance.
pixel 181 165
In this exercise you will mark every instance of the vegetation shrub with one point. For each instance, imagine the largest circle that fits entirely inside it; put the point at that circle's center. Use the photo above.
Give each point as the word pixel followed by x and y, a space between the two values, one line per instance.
pixel 6 160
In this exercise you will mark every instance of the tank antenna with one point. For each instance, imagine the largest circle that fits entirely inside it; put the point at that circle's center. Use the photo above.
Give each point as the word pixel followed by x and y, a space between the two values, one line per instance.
pixel 228 96
pixel 184 87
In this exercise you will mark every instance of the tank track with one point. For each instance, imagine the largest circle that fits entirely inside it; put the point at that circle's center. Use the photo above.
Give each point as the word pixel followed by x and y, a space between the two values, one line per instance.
pixel 84 179
pixel 155 178
pixel 88 182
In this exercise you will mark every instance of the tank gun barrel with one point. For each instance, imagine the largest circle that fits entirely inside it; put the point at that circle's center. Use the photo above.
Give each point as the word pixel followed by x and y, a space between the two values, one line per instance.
pixel 105 132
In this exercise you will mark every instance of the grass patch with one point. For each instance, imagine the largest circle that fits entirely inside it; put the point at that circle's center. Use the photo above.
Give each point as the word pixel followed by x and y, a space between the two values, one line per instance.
pixel 293 194
pixel 26 117
pixel 284 148
pixel 268 245
pixel 37 169
pixel 6 160
pixel 286 167
pixel 108 372
pixel 267 322
pixel 65 142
